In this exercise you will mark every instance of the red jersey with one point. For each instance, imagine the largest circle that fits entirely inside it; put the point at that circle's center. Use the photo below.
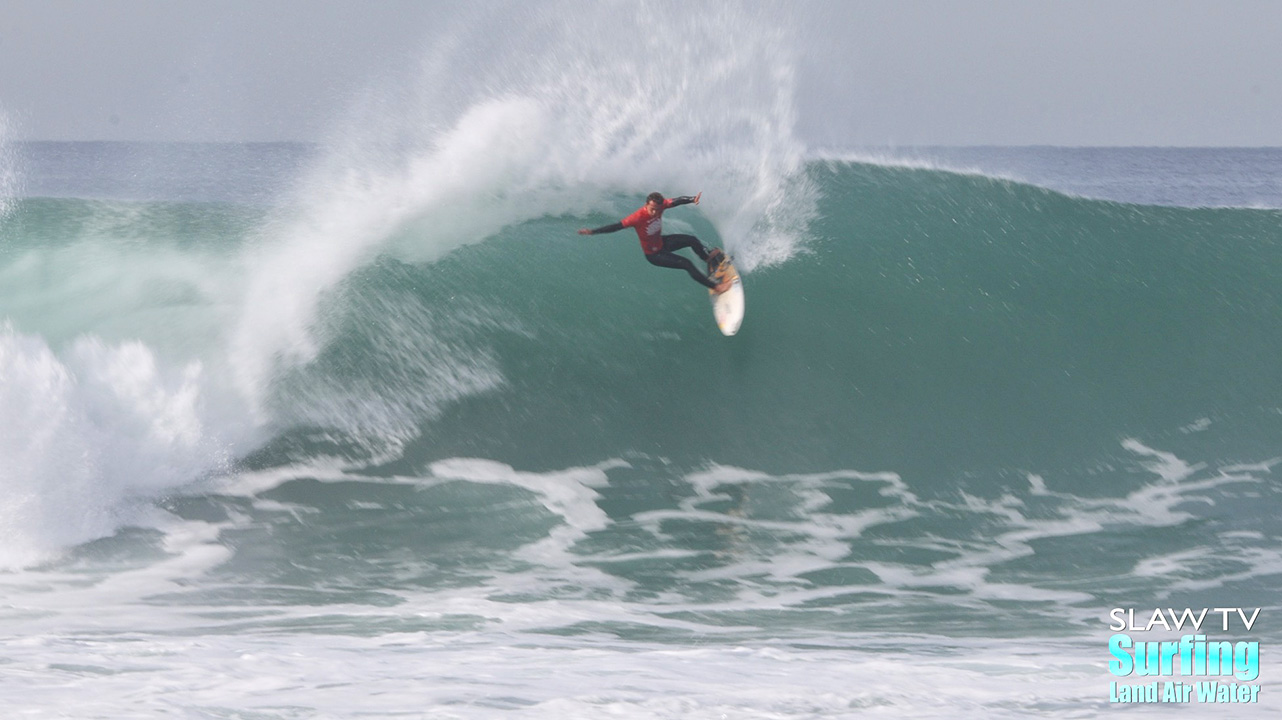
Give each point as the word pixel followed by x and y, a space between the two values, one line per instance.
pixel 649 227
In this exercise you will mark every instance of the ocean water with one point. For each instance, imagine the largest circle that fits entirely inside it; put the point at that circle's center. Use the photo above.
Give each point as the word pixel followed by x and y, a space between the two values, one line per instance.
pixel 364 429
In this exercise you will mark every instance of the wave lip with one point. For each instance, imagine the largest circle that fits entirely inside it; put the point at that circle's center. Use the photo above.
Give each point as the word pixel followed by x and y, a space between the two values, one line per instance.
pixel 1181 177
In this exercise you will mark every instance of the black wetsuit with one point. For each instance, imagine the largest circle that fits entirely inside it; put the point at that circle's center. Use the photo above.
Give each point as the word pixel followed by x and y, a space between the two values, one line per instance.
pixel 668 258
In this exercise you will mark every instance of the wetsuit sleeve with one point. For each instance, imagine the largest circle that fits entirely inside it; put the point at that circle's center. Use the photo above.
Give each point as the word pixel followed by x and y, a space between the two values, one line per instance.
pixel 612 227
pixel 683 200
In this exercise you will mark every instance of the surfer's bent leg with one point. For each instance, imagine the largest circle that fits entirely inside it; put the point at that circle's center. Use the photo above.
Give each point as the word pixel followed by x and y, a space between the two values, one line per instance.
pixel 672 243
pixel 669 260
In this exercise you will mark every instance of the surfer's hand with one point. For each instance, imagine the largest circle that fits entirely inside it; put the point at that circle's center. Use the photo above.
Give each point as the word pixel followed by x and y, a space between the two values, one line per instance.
pixel 696 197
pixel 584 231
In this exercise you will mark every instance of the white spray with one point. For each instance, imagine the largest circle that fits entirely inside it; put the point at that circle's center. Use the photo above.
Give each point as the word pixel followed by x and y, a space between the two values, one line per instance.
pixel 523 113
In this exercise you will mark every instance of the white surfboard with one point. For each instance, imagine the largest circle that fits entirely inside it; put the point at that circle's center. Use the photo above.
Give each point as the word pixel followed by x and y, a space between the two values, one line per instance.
pixel 727 307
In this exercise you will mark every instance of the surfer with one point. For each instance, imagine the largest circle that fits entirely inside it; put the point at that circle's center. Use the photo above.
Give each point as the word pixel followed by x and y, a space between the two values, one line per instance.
pixel 661 249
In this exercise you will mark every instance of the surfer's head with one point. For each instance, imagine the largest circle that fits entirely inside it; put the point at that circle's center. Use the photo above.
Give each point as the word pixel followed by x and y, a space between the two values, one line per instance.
pixel 654 201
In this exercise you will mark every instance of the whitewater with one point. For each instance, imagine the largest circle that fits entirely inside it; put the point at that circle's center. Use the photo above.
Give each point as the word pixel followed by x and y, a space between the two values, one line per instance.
pixel 362 428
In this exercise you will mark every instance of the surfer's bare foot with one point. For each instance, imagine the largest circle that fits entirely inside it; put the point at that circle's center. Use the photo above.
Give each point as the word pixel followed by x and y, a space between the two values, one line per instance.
pixel 722 286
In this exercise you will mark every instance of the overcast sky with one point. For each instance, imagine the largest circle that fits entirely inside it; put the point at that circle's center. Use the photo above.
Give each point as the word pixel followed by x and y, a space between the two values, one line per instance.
pixel 1116 72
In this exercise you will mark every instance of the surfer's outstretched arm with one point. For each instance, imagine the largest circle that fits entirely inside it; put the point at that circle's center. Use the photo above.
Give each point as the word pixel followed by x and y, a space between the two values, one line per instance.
pixel 655 205
pixel 612 227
